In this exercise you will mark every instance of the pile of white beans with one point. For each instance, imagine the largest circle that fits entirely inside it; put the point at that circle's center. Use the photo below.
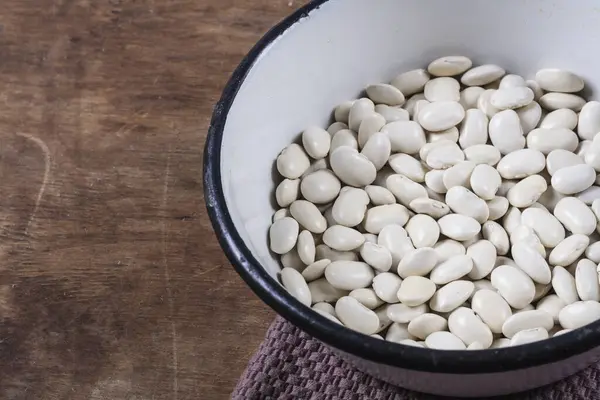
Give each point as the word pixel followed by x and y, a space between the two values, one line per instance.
pixel 454 208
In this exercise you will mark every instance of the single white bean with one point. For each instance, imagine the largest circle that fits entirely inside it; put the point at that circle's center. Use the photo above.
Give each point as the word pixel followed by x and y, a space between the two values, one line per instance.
pixel 546 140
pixel 444 341
pixel 470 96
pixel 418 262
pixel 351 167
pixel 378 217
pixel 367 297
pixel 320 187
pixel 295 284
pixel 462 201
pixel 426 324
pixel 466 326
pixel 386 286
pixel 521 163
pixel 283 235
pixel 495 233
pixel 292 162
pixel 506 133
pixel 442 89
pixel 324 252
pixel 527 191
pixel 356 316
pixel 589 195
pixel 449 66
pixel 411 82
pixel 441 115
pixel 315 270
pixel 379 195
pixel 561 118
pixel 498 207
pixel 530 116
pixel 474 128
pixel 377 149
pixel 335 128
pixel 485 181
pixel 415 290
pixel 459 227
pixel 484 103
pixel 531 262
pixel 350 207
pixel 316 142
pixel 564 286
pixel 573 179
pixel 287 192
pixel 509 98
pixel 396 240
pixel 423 230
pixel 512 80
pixel 306 247
pixel 430 207
pixel 551 304
pixel 370 125
pixel 321 290
pixel 586 280
pixel 324 307
pixel 593 252
pixel 376 256
pixel 407 166
pixel 444 157
pixel 342 238
pixel 559 159
pixel 514 285
pixel 545 225
pixel 569 250
pixel 452 269
pixel 342 111
pixel 529 336
pixel 391 114
pixel 383 93
pixel 349 275
pixel 405 136
pixel 482 75
pixel 403 314
pixel 344 138
pixel 589 120
pixel 451 296
pixel 527 320
pixel 575 216
pixel 491 308
pixel 358 111
pixel 483 255
pixel 483 154
pixel 404 189
pixel 578 314
pixel 398 333
pixel 555 101
pixel 457 175
pixel 558 80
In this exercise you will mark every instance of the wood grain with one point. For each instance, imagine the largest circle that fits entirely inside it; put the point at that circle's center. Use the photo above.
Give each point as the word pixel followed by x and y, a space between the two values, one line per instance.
pixel 112 284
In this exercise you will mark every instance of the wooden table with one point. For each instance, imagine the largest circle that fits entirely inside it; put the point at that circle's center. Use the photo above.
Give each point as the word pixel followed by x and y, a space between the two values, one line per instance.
pixel 112 283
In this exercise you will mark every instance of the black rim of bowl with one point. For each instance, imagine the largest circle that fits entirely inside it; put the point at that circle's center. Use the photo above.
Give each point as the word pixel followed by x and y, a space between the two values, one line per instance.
pixel 372 349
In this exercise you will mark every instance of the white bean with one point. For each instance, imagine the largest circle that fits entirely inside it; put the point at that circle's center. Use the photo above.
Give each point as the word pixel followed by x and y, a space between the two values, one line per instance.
pixel 457 175
pixel 555 101
pixel 561 118
pixel 546 140
pixel 407 166
pixel 575 216
pixel 573 179
pixel 558 80
pixel 482 75
pixel 321 290
pixel 292 162
pixel 512 81
pixel 441 115
pixel 452 269
pixel 531 262
pixel 342 238
pixel 379 217
pixel 430 207
pixel 386 286
pixel 451 296
pixel 379 195
pixel 377 150
pixel 349 275
pixel 315 270
pixel 411 82
pixel 405 136
pixel 449 66
pixel 545 225
pixel 559 159
pixel 527 320
pixel 391 114
pixel 283 235
pixel 484 103
pixel 514 285
pixel 491 308
pixel 443 157
pixel 306 247
pixel 459 227
pixel 358 111
pixel 320 187
pixel 529 116
pixel 383 93
pixel 398 333
pixel 316 142
pixel 415 290
pixel 350 207
pixel 418 262
pixel 351 167
pixel 483 255
pixel 578 314
pixel 512 97
pixel 466 326
pixel 423 230
pixel 586 280
pixel 564 286
pixel 506 133
pixel 356 316
pixel 470 96
pixel 593 252
pixel 589 120
pixel 376 256
pixel 589 195
pixel 295 284
pixel 444 341
pixel 569 250
pixel 498 207
pixel 325 252
pixel 396 240
pixel 482 154
pixel 485 181
pixel 367 297
pixel 344 138
pixel 342 111
pixel 404 189
pixel 527 191
pixel 529 336
pixel 335 128
pixel 495 233
pixel 552 305
pixel 474 128
pixel 442 89
pixel 521 164
pixel 403 314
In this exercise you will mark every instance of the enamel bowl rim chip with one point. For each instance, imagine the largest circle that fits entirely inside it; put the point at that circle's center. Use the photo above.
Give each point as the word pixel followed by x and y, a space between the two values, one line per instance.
pixel 376 350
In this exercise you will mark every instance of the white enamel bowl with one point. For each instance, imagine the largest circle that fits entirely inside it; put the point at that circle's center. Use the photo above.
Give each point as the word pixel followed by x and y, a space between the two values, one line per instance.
pixel 326 53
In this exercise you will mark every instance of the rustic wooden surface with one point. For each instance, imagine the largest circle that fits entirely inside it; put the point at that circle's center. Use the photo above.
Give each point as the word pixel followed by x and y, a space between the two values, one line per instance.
pixel 112 283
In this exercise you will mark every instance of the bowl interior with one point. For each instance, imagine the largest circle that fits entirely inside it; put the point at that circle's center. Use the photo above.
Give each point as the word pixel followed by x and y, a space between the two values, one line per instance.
pixel 331 54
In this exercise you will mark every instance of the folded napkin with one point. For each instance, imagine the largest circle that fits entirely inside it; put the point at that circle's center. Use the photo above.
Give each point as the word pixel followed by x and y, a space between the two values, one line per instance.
pixel 290 364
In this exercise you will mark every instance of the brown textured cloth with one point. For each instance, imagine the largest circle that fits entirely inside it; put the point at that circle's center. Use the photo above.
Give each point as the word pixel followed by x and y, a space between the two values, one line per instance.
pixel 290 364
